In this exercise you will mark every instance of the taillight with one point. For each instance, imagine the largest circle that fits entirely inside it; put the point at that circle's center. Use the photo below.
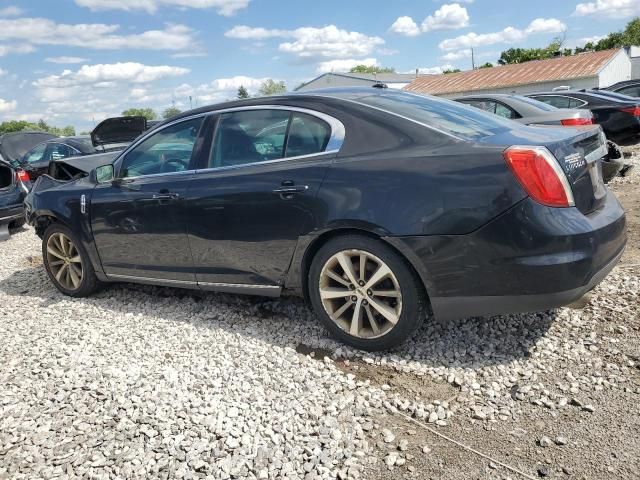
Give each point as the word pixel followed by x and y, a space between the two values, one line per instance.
pixel 572 122
pixel 540 175
pixel 22 175
pixel 635 111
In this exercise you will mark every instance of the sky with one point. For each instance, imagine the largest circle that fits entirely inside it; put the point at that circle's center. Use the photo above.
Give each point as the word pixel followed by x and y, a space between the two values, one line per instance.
pixel 76 62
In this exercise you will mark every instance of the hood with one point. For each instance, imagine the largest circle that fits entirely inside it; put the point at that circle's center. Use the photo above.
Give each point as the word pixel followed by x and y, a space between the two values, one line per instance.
pixel 118 130
pixel 14 145
pixel 86 163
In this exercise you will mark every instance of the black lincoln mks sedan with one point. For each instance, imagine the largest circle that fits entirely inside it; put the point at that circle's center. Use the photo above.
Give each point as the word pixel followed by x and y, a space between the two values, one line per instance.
pixel 378 206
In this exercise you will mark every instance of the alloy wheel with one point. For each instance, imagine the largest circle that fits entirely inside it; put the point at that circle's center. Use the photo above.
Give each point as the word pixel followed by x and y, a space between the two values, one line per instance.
pixel 360 293
pixel 64 261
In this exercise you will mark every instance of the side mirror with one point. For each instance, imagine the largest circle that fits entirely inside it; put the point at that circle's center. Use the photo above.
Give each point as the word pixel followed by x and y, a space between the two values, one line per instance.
pixel 102 174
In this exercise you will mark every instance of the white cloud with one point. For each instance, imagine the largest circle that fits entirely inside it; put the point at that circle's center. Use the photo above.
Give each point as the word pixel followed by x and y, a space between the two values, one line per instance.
pixel 546 25
pixel 11 11
pixel 594 39
pixel 255 33
pixel 42 31
pixel 330 42
pixel 344 65
pixel 433 70
pixel 219 90
pixel 64 59
pixel 312 42
pixel 508 35
pixel 2 72
pixel 459 55
pixel 7 106
pixel 448 17
pixel 113 72
pixel 223 7
pixel 16 49
pixel 405 26
pixel 609 8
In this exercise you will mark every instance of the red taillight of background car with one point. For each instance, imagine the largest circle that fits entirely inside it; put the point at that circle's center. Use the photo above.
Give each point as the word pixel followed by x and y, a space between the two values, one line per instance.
pixel 22 175
pixel 573 122
pixel 635 111
pixel 540 175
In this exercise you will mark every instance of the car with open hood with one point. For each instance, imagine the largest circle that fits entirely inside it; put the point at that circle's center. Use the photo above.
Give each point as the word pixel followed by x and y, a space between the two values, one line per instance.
pixel 51 155
pixel 380 207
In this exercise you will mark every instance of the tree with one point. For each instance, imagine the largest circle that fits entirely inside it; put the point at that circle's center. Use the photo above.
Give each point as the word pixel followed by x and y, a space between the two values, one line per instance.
pixel 41 125
pixel 271 87
pixel 371 69
pixel 486 65
pixel 629 36
pixel 171 112
pixel 451 70
pixel 147 113
pixel 243 92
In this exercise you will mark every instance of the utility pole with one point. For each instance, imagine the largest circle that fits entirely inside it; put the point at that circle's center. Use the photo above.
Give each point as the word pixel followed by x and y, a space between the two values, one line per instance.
pixel 190 103
pixel 473 62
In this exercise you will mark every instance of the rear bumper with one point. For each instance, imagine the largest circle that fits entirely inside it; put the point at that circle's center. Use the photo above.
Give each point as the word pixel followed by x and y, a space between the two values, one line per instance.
pixel 531 258
pixel 10 213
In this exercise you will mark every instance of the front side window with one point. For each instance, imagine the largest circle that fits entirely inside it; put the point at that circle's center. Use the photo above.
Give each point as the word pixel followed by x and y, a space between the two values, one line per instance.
pixel 307 135
pixel 250 136
pixel 36 154
pixel 167 151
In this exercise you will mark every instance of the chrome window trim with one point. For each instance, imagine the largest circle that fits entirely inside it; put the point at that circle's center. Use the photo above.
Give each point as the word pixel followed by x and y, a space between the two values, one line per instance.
pixel 266 162
pixel 338 133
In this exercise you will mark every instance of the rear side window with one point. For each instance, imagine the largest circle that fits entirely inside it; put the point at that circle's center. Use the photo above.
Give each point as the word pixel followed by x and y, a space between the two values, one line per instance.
pixel 556 101
pixel 307 135
pixel 445 115
pixel 632 91
pixel 251 136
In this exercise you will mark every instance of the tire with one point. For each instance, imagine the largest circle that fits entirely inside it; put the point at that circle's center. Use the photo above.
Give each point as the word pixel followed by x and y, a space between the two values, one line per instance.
pixel 87 283
pixel 406 309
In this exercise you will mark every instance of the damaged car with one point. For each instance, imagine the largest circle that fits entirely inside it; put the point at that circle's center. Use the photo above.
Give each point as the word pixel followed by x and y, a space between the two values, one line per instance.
pixel 52 155
pixel 380 207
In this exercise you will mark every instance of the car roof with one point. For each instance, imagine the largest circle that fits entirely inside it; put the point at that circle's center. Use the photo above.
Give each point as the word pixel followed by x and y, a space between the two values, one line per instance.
pixel 623 83
pixel 82 143
pixel 334 92
pixel 605 97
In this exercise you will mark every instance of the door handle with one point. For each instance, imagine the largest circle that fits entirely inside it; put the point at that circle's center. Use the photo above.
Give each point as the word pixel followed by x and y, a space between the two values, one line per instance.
pixel 290 190
pixel 166 196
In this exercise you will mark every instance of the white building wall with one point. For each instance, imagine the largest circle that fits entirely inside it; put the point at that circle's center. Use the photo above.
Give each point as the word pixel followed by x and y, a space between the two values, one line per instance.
pixel 635 62
pixel 579 83
pixel 617 70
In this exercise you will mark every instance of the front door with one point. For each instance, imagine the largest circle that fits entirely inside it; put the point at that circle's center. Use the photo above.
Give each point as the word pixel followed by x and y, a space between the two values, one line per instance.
pixel 139 220
pixel 257 195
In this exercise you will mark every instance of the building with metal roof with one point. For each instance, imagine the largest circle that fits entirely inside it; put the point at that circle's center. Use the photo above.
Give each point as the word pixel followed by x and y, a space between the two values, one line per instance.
pixel 585 70
pixel 392 80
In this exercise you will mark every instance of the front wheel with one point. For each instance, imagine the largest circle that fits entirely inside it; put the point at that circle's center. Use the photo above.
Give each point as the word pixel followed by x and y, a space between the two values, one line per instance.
pixel 365 293
pixel 67 263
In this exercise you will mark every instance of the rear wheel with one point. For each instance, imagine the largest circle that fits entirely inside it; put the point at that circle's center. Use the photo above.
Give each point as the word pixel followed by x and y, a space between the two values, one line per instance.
pixel 67 263
pixel 365 293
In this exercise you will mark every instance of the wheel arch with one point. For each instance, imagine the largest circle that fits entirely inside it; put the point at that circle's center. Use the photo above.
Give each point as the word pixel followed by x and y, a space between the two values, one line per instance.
pixel 43 218
pixel 315 243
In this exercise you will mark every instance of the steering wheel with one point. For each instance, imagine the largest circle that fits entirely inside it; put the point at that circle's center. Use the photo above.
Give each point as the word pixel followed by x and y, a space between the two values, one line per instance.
pixel 178 165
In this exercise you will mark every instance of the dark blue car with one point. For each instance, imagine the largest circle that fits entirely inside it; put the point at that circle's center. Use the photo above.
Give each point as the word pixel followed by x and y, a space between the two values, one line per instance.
pixel 378 206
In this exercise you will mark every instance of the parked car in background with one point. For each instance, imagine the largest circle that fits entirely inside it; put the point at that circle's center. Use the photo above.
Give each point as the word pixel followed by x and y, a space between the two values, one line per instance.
pixel 13 191
pixel 628 87
pixel 112 134
pixel 527 110
pixel 618 115
pixel 376 205
pixel 533 112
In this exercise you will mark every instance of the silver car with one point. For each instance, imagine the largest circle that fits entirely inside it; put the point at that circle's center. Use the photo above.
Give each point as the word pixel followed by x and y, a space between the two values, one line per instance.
pixel 527 110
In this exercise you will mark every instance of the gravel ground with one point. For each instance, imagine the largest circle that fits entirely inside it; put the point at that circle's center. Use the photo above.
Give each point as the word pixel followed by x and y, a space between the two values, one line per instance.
pixel 146 382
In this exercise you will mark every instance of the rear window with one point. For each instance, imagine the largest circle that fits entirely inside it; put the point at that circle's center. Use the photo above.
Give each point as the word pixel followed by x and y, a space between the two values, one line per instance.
pixel 445 115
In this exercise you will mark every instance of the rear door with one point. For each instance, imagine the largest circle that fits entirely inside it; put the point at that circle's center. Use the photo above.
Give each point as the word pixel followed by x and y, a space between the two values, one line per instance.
pixel 257 193
pixel 139 221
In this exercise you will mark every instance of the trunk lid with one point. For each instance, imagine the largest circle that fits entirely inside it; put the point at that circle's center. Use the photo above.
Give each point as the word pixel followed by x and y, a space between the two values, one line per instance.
pixel 117 130
pixel 578 150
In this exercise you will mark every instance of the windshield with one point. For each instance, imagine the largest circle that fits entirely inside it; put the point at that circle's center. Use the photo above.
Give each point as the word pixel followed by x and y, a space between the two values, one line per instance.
pixel 447 116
